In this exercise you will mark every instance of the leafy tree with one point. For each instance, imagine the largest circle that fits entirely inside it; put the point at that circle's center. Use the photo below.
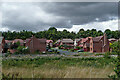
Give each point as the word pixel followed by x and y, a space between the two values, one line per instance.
pixel 116 48
pixel 108 33
pixel 53 34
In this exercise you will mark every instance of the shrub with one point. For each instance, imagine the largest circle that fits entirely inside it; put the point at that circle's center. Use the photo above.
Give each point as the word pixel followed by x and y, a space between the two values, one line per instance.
pixel 116 48
pixel 72 50
pixel 22 50
pixel 60 47
pixel 106 55
pixel 37 52
pixel 77 47
pixel 7 54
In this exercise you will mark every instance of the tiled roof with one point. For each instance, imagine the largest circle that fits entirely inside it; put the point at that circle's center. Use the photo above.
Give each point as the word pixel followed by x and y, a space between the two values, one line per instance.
pixel 96 39
pixel 27 40
pixel 77 40
pixel 8 41
pixel 67 40
pixel 48 41
pixel 58 41
pixel 112 39
pixel 20 40
pixel 84 40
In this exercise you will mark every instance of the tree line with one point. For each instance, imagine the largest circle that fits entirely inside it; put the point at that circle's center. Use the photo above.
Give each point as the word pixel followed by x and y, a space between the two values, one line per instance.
pixel 53 34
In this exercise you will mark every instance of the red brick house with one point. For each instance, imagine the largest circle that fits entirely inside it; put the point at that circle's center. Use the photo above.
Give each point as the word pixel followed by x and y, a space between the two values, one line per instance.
pixel 35 44
pixel 99 44
pixel 68 42
pixel 2 44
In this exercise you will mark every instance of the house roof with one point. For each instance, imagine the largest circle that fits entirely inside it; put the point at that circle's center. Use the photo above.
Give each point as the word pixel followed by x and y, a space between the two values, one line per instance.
pixel 20 40
pixel 84 40
pixel 77 40
pixel 96 39
pixel 58 41
pixel 48 41
pixel 67 40
pixel 112 39
pixel 27 40
pixel 8 41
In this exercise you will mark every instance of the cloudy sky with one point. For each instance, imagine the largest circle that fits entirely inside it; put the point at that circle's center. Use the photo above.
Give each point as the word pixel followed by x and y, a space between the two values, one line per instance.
pixel 38 16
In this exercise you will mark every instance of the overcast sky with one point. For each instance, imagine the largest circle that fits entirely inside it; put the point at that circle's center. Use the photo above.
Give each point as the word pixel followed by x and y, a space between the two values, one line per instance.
pixel 38 16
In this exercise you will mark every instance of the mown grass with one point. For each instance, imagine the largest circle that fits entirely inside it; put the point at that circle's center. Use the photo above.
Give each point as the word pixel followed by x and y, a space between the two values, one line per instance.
pixel 59 67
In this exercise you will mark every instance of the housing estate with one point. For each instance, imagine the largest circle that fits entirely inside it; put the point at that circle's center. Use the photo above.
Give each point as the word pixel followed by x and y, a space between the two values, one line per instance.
pixel 88 44
pixel 33 43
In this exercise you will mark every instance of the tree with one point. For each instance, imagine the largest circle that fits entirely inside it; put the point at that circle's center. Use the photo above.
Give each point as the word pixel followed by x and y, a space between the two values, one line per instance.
pixel 108 33
pixel 116 48
pixel 53 34
pixel 52 28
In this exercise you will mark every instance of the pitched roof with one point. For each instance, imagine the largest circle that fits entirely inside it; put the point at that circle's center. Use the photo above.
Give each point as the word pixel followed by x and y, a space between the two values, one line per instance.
pixel 77 40
pixel 112 39
pixel 8 41
pixel 20 40
pixel 48 41
pixel 58 41
pixel 83 40
pixel 27 40
pixel 96 39
pixel 67 40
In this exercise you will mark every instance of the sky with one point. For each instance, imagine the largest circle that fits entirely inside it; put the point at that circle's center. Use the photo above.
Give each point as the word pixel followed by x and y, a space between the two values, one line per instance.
pixel 72 16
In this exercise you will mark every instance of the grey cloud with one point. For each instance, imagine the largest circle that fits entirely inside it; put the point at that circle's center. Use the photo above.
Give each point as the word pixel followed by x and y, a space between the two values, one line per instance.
pixel 60 15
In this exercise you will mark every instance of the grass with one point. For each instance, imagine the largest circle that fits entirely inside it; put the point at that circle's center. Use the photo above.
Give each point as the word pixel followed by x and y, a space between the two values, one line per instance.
pixel 53 72
pixel 59 67
pixel 84 54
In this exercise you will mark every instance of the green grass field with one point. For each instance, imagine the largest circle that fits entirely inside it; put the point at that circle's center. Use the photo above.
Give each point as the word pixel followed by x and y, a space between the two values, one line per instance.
pixel 58 67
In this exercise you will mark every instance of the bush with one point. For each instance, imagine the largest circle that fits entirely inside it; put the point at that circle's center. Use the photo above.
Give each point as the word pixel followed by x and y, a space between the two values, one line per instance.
pixel 16 53
pixel 77 47
pixel 37 52
pixel 22 50
pixel 72 50
pixel 7 54
pixel 60 47
pixel 106 55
